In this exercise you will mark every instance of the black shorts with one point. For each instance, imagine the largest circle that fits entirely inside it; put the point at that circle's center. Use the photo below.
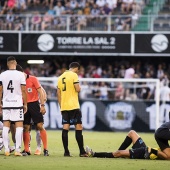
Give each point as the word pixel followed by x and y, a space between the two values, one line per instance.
pixel 138 153
pixel 33 114
pixel 72 117
pixel 162 135
pixel 139 143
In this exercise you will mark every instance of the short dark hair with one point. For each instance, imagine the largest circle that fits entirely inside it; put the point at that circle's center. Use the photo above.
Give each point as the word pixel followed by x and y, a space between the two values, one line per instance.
pixel 19 68
pixel 11 58
pixel 74 65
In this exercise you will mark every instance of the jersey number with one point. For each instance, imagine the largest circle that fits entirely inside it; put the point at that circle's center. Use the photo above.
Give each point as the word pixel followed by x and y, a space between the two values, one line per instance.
pixel 64 84
pixel 10 87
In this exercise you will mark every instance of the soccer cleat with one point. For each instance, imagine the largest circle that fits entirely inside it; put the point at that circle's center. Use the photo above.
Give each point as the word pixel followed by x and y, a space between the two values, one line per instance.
pixel 25 153
pixel 7 153
pixel 46 152
pixel 37 152
pixel 89 151
pixel 68 155
pixel 83 155
pixel 18 154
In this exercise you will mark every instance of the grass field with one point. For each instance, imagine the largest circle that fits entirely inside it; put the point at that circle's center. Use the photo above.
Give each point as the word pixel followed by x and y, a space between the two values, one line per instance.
pixel 98 141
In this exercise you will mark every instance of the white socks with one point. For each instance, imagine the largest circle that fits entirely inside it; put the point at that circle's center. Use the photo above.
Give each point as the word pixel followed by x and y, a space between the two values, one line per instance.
pixel 18 138
pixel 5 138
pixel 38 139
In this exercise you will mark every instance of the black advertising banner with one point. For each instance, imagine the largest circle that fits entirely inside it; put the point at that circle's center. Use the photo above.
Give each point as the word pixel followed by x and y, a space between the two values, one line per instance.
pixel 76 43
pixel 152 43
pixel 9 42
pixel 111 115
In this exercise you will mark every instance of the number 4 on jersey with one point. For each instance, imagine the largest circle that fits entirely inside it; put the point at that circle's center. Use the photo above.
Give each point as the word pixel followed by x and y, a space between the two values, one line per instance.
pixel 10 87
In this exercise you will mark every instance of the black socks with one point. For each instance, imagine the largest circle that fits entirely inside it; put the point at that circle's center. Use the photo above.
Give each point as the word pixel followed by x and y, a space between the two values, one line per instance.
pixel 103 154
pixel 125 143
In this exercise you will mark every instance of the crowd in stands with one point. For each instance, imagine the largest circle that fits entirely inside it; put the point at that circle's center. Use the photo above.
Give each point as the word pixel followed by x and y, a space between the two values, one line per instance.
pixel 52 14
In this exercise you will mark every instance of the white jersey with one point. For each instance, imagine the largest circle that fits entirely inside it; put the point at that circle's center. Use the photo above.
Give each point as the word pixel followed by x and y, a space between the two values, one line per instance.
pixel 11 81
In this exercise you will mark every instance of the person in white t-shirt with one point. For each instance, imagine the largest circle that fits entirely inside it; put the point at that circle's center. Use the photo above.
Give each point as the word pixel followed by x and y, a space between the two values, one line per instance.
pixel 165 93
pixel 13 88
pixel 130 72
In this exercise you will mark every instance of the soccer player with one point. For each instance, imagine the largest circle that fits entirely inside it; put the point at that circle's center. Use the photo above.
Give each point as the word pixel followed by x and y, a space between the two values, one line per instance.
pixel 67 92
pixel 13 103
pixel 139 149
pixel 162 136
pixel 35 112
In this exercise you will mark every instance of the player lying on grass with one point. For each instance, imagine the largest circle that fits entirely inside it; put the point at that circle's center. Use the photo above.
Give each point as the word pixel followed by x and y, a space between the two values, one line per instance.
pixel 139 149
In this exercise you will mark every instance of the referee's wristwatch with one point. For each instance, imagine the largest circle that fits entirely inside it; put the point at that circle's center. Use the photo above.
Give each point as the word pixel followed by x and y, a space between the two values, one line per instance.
pixel 42 104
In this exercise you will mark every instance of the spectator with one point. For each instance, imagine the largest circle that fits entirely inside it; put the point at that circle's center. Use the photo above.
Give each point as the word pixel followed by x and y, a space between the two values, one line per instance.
pixel 130 72
pixel 82 22
pixel 126 6
pixel 87 10
pixel 68 9
pixel 160 72
pixel 119 93
pixel 11 5
pixel 3 6
pixel 9 20
pixel 21 5
pixel 106 10
pixel 100 3
pixel 119 24
pixel 73 4
pixel 112 4
pixel 103 91
pixel 59 9
pixel 18 23
pixel 95 11
pixel 47 21
pixel 36 21
pixel 165 93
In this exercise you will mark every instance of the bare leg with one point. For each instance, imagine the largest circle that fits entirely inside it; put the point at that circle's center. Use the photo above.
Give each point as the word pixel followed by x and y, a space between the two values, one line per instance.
pixel 121 154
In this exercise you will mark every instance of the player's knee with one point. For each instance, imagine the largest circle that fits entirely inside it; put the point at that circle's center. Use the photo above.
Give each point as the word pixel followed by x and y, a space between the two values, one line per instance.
pixel 131 133
pixel 26 128
pixel 40 126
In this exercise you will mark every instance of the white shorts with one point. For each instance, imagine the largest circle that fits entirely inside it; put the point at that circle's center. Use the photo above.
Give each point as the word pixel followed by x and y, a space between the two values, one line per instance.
pixel 13 114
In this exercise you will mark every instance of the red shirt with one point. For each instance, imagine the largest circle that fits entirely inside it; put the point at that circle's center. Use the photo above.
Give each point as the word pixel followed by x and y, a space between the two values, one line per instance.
pixel 32 84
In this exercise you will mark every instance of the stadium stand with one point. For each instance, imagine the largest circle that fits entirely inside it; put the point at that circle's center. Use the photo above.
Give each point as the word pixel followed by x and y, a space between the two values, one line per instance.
pixel 161 23
pixel 81 15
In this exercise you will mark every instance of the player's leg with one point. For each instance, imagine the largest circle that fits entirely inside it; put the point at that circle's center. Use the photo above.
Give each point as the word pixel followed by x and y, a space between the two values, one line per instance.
pixel 131 137
pixel 18 137
pixel 77 121
pixel 1 140
pixel 38 120
pixel 66 127
pixel 26 133
pixel 5 131
pixel 43 136
pixel 13 131
pixel 38 140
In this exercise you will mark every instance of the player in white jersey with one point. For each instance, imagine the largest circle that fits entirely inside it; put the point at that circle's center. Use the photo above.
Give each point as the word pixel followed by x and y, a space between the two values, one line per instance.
pixel 12 97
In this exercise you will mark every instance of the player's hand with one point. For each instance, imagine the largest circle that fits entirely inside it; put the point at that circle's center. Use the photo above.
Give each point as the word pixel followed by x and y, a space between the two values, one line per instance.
pixel 42 110
pixel 25 109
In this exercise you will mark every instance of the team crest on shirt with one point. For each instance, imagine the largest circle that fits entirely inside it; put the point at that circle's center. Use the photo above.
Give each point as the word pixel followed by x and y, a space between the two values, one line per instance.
pixel 29 90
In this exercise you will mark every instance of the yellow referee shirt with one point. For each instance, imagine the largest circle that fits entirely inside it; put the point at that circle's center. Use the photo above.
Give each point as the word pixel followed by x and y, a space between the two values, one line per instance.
pixel 69 96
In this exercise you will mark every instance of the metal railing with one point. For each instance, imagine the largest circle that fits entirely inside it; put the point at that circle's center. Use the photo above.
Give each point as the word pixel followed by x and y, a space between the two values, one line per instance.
pixel 90 23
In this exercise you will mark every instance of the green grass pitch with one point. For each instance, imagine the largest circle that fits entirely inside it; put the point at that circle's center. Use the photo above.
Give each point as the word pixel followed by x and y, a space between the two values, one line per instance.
pixel 98 141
